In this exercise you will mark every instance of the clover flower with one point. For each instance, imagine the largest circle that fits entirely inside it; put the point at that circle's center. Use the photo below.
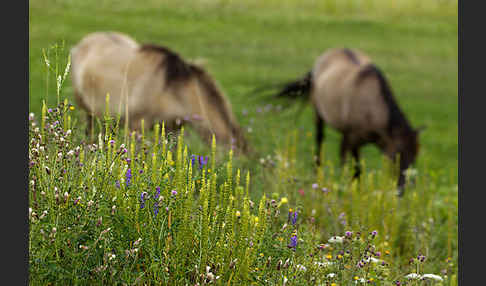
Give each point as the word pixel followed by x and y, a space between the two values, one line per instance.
pixel 433 277
pixel 412 276
pixel 336 239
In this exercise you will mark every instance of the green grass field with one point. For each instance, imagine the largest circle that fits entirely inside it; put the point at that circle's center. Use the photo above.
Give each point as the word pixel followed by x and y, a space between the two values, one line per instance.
pixel 250 44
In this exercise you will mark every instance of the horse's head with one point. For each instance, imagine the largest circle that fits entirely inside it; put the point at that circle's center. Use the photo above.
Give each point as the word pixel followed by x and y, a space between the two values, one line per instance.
pixel 407 144
pixel 217 115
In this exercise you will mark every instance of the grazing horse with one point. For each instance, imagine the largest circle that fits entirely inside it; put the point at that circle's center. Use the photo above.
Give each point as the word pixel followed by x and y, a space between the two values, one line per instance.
pixel 152 83
pixel 351 94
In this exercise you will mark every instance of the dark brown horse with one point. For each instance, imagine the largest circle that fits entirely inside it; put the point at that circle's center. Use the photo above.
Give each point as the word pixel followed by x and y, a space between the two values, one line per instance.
pixel 351 94
pixel 152 83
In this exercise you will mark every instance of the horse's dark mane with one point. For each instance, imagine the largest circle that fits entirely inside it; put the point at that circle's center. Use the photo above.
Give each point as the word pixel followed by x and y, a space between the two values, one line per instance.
pixel 351 55
pixel 397 117
pixel 177 70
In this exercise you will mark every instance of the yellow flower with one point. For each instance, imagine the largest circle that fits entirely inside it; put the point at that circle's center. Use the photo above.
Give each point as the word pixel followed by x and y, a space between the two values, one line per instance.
pixel 71 107
pixel 280 238
pixel 371 279
pixel 238 214
pixel 387 252
pixel 291 210
pixel 329 256
pixel 256 219
pixel 333 284
pixel 284 200
pixel 356 278
pixel 261 254
pixel 339 256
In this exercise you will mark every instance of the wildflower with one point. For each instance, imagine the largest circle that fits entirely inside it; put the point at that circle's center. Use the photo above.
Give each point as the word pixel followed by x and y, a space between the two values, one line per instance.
pixel 348 234
pixel 202 161
pixel 128 176
pixel 117 184
pixel 331 275
pixel 142 199
pixel 336 239
pixel 113 208
pixel 71 107
pixel 292 216
pixel 412 276
pixel 284 200
pixel 100 220
pixel 342 218
pixel 301 192
pixel 421 258
pixel 433 277
pixel 156 204
pixel 315 186
pixel 173 192
pixel 325 190
pixel 286 264
pixel 374 233
pixel 238 214
pixel 301 267
pixel 293 241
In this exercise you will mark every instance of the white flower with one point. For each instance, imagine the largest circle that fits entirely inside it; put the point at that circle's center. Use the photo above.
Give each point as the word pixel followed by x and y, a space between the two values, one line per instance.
pixel 323 264
pixel 331 275
pixel 336 239
pixel 433 277
pixel 413 276
pixel 301 267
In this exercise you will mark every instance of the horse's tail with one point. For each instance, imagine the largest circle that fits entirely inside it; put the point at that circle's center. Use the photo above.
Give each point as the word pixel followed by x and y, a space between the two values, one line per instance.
pixel 297 89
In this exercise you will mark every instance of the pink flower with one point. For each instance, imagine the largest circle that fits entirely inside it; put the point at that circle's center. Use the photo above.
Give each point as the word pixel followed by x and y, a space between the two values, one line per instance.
pixel 301 192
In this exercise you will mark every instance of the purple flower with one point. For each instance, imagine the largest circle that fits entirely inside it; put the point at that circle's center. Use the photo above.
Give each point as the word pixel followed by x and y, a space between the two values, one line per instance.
pixel 325 190
pixel 143 196
pixel 374 233
pixel 156 204
pixel 293 241
pixel 128 176
pixel 202 161
pixel 174 193
pixel 193 160
pixel 117 184
pixel 49 110
pixel 348 233
pixel 315 186
pixel 293 217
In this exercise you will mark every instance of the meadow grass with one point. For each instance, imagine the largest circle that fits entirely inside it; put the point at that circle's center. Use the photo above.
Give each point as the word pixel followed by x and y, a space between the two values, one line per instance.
pixel 245 45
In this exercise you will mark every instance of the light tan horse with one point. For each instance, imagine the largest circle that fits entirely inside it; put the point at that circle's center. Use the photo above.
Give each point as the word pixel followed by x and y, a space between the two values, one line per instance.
pixel 350 94
pixel 152 83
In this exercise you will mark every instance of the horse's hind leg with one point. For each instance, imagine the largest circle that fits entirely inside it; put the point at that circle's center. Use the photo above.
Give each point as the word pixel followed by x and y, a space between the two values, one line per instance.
pixel 89 125
pixel 320 125
pixel 357 166
pixel 344 148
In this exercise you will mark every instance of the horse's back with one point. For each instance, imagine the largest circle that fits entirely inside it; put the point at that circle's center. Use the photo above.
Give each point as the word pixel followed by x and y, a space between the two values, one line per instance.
pixel 342 98
pixel 100 65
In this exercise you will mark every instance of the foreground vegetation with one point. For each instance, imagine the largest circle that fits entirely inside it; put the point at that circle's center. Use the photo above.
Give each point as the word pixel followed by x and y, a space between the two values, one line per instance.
pixel 164 209
pixel 148 210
